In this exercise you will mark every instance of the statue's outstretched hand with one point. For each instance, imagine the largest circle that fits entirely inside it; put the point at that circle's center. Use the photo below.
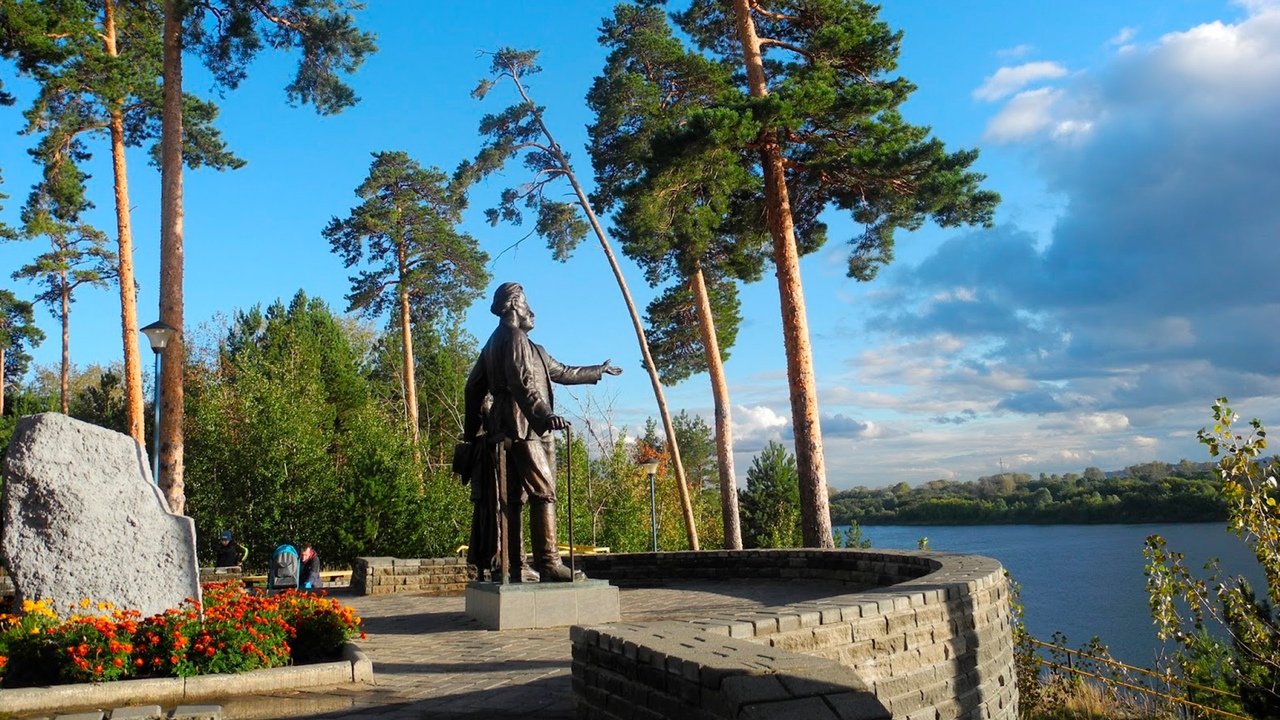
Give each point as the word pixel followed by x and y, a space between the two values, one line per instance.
pixel 556 422
pixel 608 369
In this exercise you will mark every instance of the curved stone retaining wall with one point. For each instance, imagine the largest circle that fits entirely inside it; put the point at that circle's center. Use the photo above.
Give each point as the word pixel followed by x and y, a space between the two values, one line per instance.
pixel 917 636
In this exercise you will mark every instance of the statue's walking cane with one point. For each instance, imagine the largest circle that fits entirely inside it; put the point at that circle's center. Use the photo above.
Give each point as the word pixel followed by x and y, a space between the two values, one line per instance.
pixel 568 481
pixel 500 522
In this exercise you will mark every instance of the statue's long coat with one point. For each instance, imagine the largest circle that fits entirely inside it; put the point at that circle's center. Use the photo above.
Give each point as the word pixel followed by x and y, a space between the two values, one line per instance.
pixel 516 374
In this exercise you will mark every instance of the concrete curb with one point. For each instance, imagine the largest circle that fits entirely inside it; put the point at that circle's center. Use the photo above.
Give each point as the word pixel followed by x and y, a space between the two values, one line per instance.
pixel 354 667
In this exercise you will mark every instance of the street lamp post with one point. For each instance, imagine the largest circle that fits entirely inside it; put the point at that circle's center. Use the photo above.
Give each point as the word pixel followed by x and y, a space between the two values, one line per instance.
pixel 158 334
pixel 651 467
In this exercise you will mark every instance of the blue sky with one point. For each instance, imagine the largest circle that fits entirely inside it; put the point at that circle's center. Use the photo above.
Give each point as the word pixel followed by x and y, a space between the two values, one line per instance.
pixel 1129 281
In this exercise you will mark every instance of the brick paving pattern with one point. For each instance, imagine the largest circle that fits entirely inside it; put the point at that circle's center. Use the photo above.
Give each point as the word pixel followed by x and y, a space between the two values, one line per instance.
pixel 431 661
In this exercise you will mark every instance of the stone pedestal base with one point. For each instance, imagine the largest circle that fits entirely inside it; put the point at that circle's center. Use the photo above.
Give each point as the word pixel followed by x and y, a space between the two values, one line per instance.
pixel 542 605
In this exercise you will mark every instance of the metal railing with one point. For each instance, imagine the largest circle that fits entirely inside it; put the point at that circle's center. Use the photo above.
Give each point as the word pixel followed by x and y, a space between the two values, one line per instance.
pixel 1169 681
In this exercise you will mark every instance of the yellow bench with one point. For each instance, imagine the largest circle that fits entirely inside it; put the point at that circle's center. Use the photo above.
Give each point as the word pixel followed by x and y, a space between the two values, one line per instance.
pixel 331 578
pixel 564 550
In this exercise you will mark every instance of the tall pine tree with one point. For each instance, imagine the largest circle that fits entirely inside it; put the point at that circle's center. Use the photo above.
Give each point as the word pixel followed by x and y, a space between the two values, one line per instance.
pixel 97 66
pixel 406 230
pixel 227 35
pixel 77 255
pixel 811 114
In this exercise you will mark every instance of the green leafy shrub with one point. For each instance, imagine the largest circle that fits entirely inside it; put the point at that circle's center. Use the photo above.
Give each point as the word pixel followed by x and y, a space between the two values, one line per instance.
pixel 1186 607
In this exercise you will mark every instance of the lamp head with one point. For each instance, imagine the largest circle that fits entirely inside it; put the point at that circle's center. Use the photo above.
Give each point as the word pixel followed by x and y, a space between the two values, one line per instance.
pixel 158 334
pixel 649 466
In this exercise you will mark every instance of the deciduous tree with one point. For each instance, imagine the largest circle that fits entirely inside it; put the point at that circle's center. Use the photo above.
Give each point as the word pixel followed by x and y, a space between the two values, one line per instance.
pixel 18 334
pixel 406 231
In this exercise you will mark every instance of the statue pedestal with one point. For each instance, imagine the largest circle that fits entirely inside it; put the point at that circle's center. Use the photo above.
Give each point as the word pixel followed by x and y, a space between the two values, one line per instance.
pixel 542 605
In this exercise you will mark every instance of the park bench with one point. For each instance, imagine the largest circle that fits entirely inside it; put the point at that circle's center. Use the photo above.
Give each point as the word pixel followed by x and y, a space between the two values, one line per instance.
pixel 564 550
pixel 331 578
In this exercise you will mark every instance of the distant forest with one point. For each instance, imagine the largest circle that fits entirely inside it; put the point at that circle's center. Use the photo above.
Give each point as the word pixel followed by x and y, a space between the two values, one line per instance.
pixel 1150 492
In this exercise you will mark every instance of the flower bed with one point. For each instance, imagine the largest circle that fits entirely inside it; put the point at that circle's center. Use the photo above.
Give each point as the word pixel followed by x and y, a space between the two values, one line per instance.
pixel 240 630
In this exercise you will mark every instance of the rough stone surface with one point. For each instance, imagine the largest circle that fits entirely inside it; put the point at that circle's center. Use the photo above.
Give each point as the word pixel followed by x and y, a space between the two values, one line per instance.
pixel 82 519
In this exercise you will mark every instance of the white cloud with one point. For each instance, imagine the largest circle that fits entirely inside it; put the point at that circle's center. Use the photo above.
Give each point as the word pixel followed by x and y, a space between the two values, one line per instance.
pixel 1026 115
pixel 1008 80
pixel 1103 341
pixel 754 426
pixel 1122 38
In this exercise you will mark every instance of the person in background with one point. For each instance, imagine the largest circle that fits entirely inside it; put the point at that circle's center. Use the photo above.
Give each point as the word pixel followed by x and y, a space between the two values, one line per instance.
pixel 231 554
pixel 310 576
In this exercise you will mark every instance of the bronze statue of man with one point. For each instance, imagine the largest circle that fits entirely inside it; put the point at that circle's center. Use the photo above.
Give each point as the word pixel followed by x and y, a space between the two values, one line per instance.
pixel 510 408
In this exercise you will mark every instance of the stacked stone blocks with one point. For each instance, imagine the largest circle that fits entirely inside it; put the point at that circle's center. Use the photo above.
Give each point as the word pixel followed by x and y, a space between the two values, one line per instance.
pixel 433 576
pixel 918 637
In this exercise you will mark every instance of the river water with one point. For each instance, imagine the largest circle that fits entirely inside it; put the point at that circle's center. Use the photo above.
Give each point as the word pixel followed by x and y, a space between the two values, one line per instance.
pixel 1082 580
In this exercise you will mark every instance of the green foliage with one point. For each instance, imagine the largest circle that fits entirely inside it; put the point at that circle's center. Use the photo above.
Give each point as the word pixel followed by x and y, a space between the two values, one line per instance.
pixel 674 167
pixel 702 472
pixel 228 34
pixel 852 538
pixel 78 253
pixel 1186 492
pixel 60 46
pixel 287 442
pixel 770 505
pixel 1185 607
pixel 519 131
pixel 406 230
pixel 18 335
pixel 832 110
pixel 675 340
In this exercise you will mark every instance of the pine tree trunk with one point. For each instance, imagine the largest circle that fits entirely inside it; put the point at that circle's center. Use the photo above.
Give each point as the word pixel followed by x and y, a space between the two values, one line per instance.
pixel 686 506
pixel 171 299
pixel 406 338
pixel 724 419
pixel 815 511
pixel 64 377
pixel 135 406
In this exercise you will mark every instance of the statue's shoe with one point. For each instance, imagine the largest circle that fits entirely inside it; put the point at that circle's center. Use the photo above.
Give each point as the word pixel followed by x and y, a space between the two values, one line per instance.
pixel 524 574
pixel 555 573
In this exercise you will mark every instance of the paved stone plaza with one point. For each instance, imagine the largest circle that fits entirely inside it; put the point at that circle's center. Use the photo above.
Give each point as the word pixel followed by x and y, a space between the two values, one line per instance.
pixel 432 661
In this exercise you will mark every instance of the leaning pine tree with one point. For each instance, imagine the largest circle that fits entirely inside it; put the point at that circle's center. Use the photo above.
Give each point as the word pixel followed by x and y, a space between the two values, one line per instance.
pixel 521 131
pixel 812 113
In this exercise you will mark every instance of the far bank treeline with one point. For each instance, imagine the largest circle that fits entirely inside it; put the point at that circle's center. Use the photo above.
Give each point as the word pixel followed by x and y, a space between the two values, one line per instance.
pixel 1149 492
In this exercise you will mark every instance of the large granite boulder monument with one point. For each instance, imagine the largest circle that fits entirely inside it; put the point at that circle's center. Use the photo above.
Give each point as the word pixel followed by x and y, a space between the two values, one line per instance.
pixel 81 518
